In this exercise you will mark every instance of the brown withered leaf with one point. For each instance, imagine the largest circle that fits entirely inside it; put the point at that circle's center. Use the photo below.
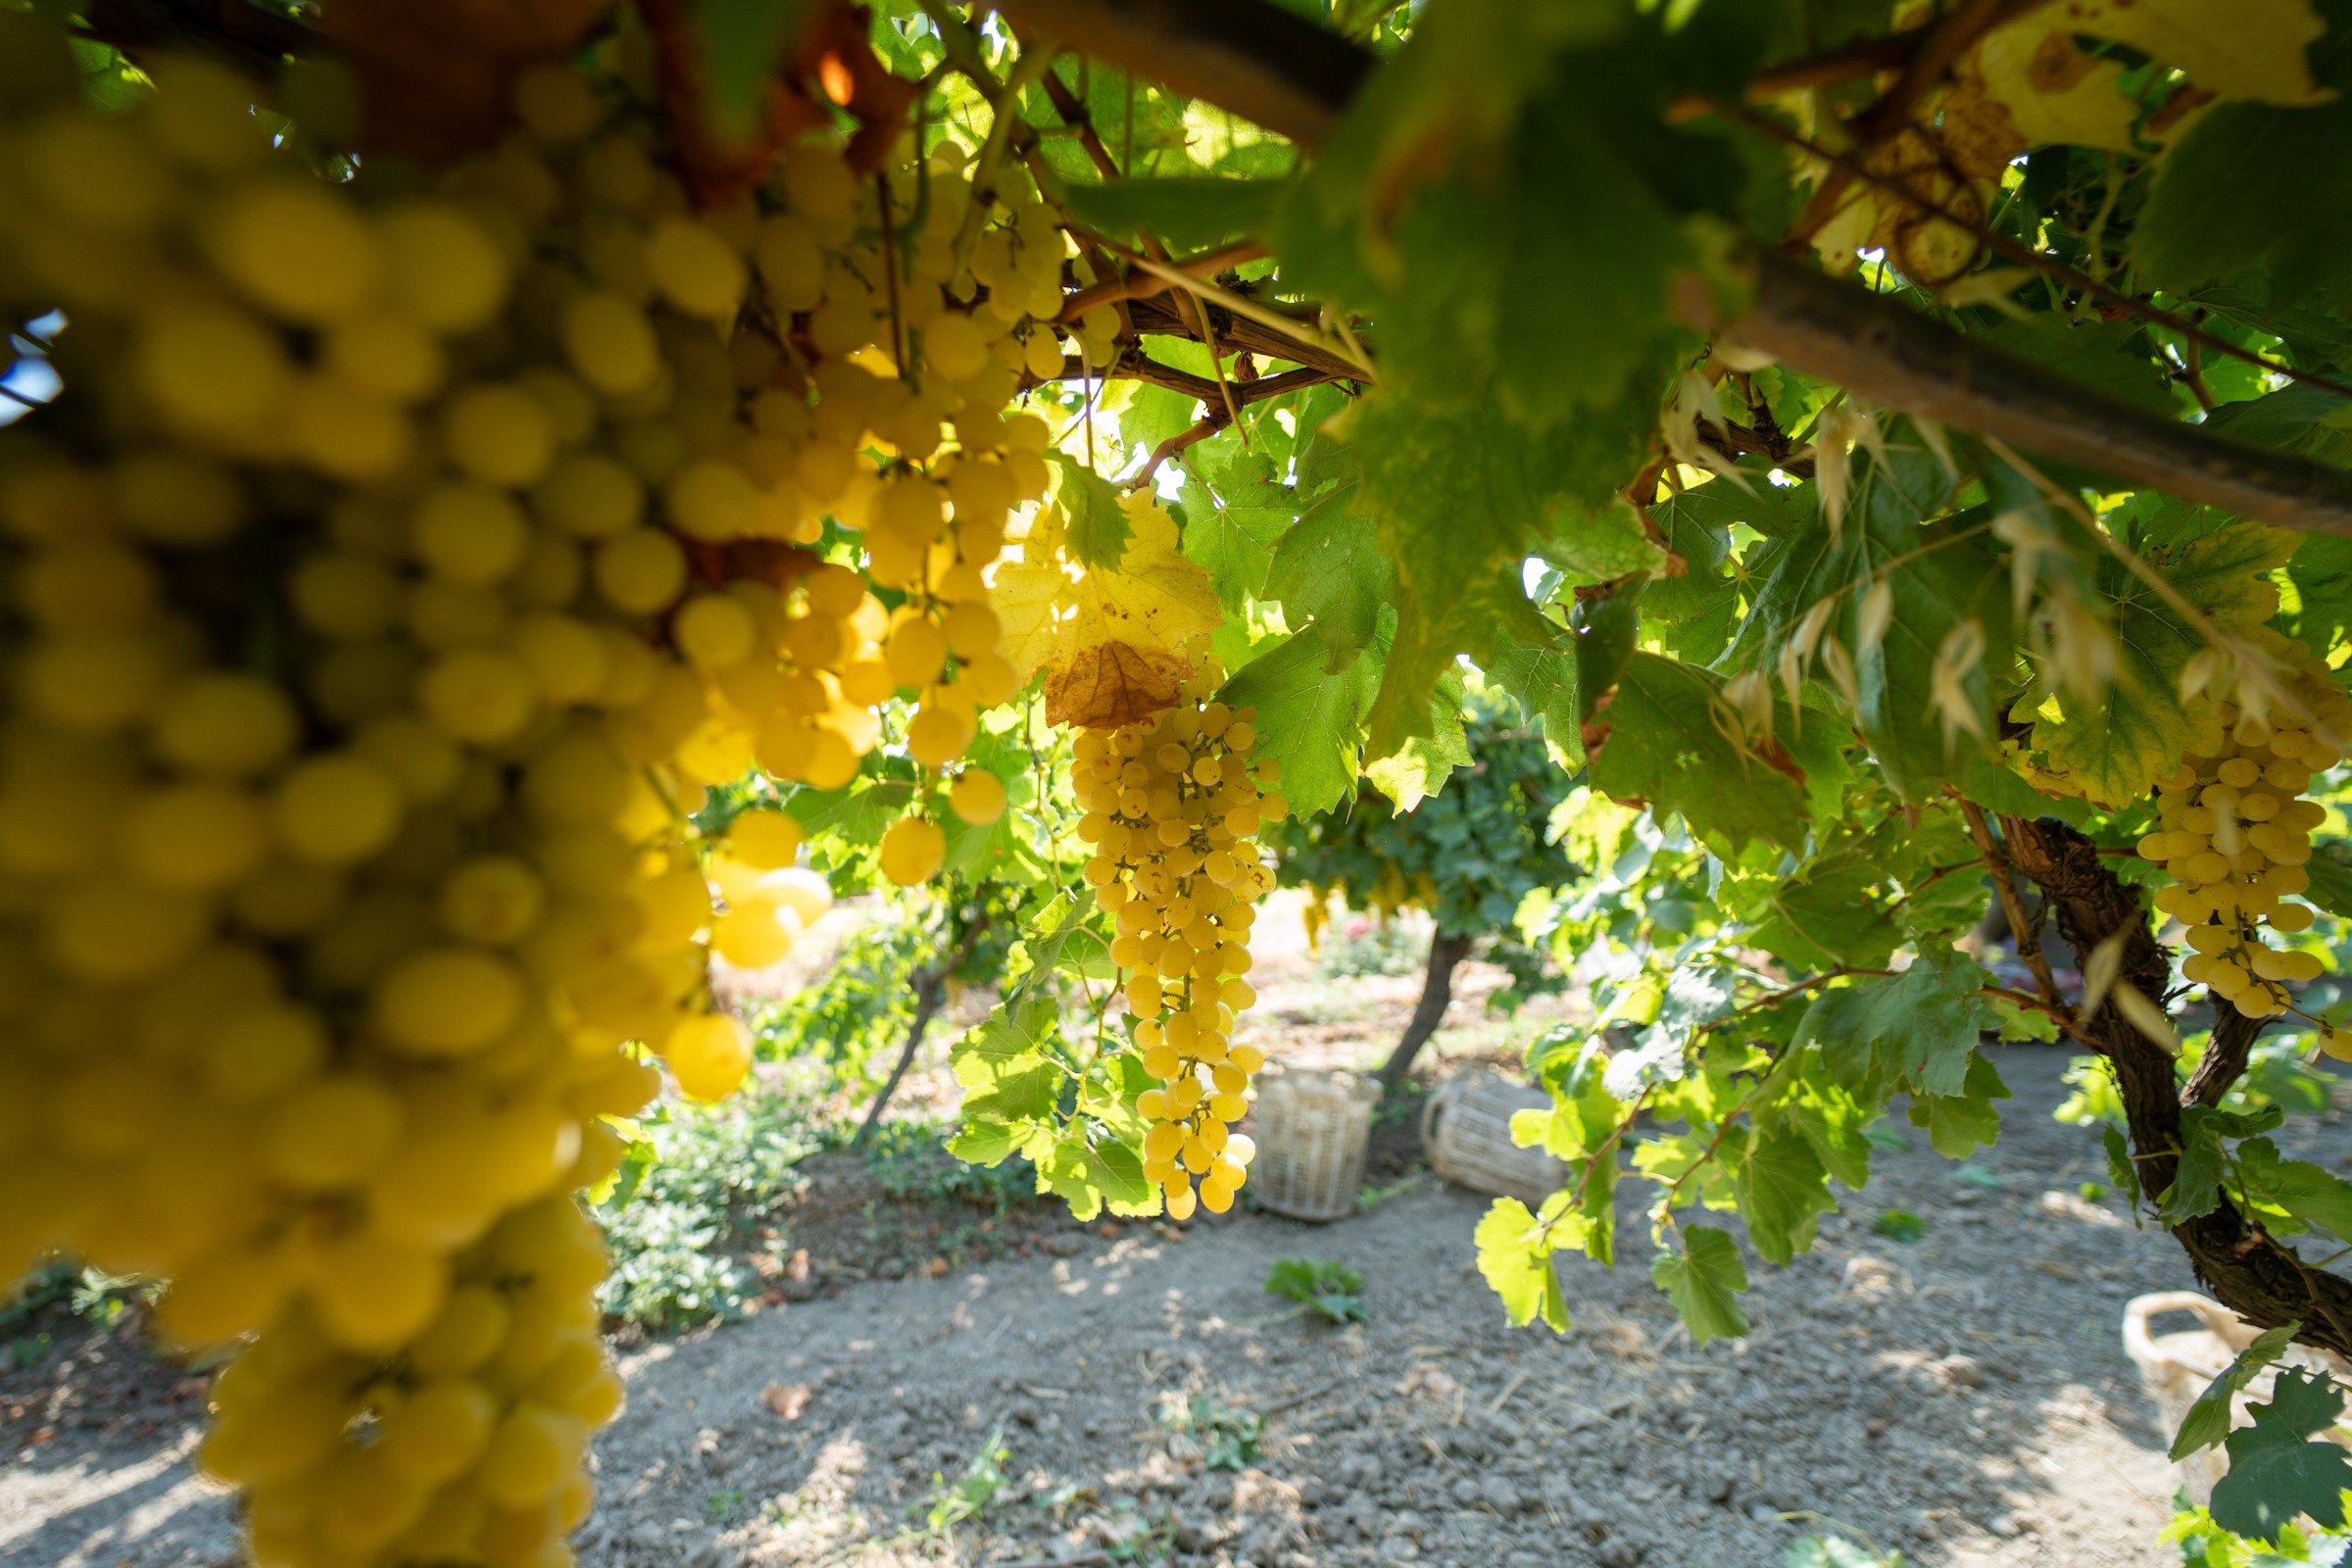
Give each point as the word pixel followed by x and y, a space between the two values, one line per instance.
pixel 1109 684
pixel 1114 642
pixel 786 1400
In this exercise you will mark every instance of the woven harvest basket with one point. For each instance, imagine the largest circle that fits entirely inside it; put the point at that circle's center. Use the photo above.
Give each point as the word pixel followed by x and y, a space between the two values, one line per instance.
pixel 1466 1130
pixel 1312 1129
pixel 2178 1367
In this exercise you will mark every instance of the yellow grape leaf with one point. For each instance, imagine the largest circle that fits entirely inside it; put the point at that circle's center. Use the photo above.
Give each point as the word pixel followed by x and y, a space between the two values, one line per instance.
pixel 2244 49
pixel 1114 645
pixel 1944 178
pixel 2028 84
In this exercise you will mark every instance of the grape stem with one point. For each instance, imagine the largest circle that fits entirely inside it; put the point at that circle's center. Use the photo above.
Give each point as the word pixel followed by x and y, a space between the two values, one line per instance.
pixel 2026 933
pixel 1215 422
pixel 1147 285
pixel 2246 1268
pixel 1276 69
pixel 1073 109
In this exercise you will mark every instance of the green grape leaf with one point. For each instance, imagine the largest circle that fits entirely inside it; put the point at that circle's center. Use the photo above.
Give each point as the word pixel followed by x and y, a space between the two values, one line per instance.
pixel 2213 211
pixel 855 817
pixel 1837 1127
pixel 2276 1475
pixel 1664 745
pixel 1152 414
pixel 1781 1188
pixel 1958 1125
pixel 1534 659
pixel 2197 1178
pixel 1998 788
pixel 1419 767
pixel 2312 1194
pixel 1190 211
pixel 1330 572
pixel 2121 1169
pixel 2331 872
pixel 740 41
pixel 1308 719
pixel 1028 1094
pixel 1704 1280
pixel 1819 917
pixel 1086 1175
pixel 2208 1421
pixel 1613 542
pixel 1921 609
pixel 1505 198
pixel 984 1142
pixel 1921 1026
pixel 1095 529
pixel 1515 1256
pixel 1143 127
pixel 1460 499
pixel 1232 523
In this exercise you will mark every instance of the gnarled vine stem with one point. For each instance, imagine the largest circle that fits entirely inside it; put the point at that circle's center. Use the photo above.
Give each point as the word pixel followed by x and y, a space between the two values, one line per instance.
pixel 2251 1272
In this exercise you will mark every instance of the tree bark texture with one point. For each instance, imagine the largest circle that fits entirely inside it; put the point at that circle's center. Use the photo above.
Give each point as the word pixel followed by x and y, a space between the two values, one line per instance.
pixel 1445 955
pixel 930 992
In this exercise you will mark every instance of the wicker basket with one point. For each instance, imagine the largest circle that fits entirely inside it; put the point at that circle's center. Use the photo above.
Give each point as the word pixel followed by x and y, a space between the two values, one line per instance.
pixel 1466 1128
pixel 2178 1367
pixel 1312 1129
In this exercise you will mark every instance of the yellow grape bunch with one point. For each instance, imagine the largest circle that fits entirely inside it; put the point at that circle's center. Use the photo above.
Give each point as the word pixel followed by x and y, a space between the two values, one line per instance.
pixel 2235 834
pixel 402 562
pixel 1173 804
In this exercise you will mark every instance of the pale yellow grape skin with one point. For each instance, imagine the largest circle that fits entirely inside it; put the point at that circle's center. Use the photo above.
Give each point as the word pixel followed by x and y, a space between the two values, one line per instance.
pixel 379 927
pixel 1182 885
pixel 2235 837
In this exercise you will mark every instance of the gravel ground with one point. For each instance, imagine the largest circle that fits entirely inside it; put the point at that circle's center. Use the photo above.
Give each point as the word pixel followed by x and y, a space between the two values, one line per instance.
pixel 1962 1398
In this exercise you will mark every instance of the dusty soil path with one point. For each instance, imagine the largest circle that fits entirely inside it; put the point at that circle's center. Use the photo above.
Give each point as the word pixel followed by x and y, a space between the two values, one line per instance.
pixel 1962 1397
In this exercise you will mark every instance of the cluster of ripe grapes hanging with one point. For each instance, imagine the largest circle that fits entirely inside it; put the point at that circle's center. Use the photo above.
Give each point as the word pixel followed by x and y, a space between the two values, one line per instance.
pixel 2235 836
pixel 405 559
pixel 1173 805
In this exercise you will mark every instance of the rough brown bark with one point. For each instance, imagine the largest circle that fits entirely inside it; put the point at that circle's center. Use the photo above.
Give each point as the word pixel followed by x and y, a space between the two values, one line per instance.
pixel 2254 1275
pixel 1879 347
pixel 1270 65
pixel 1445 955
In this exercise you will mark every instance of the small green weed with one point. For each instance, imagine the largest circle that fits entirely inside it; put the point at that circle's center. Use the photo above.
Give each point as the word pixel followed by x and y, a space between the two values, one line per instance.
pixel 1224 1438
pixel 1836 1551
pixel 1900 1225
pixel 708 1175
pixel 1322 1285
pixel 970 1493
